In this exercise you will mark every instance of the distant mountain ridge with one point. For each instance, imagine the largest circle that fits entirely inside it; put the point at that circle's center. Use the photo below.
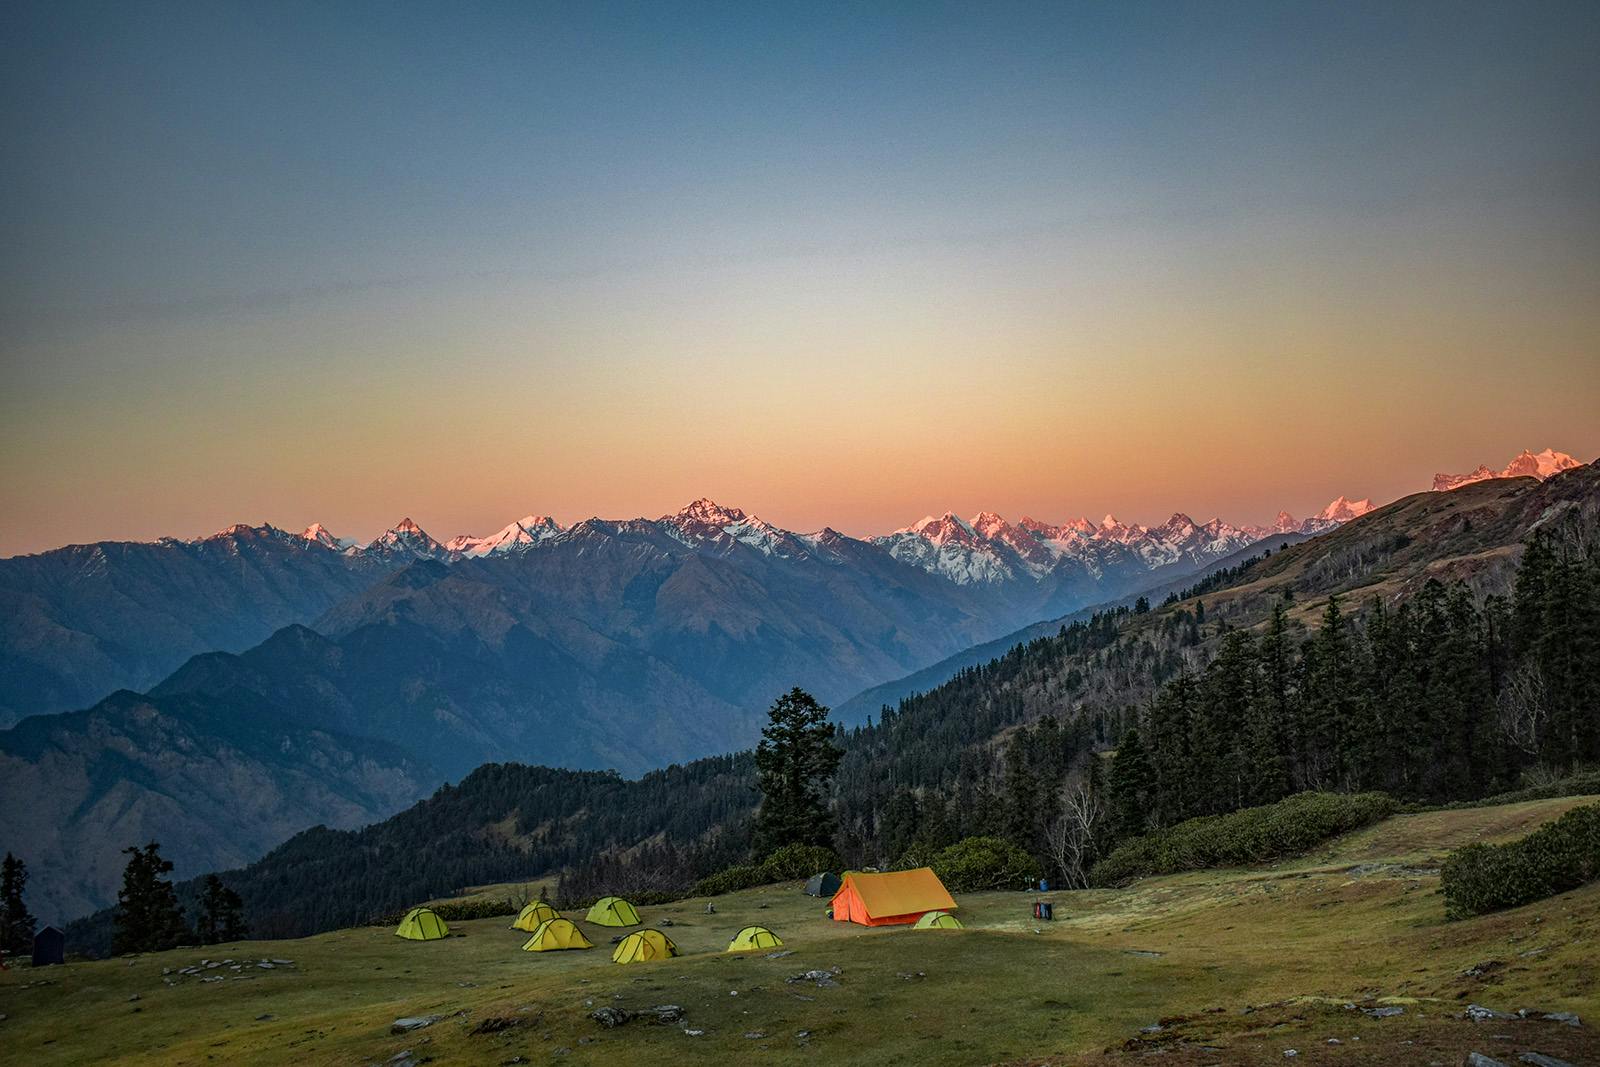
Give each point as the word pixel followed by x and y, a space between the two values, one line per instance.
pixel 79 622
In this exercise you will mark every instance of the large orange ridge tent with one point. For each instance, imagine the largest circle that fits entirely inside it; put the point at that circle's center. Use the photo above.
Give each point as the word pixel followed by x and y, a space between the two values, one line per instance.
pixel 894 897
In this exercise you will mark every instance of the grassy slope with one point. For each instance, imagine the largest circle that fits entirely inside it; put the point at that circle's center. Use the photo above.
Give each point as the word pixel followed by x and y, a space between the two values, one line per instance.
pixel 1359 920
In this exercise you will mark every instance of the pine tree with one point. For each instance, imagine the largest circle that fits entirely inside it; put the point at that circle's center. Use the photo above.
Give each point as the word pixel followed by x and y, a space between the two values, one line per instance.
pixel 1129 784
pixel 147 915
pixel 1328 711
pixel 221 913
pixel 1271 724
pixel 16 924
pixel 795 764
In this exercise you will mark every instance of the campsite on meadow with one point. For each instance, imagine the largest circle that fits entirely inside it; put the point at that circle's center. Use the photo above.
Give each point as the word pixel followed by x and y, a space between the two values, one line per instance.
pixel 1343 955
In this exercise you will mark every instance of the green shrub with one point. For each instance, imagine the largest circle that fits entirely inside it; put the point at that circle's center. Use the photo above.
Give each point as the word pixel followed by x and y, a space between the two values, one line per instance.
pixel 793 862
pixel 1560 855
pixel 977 863
pixel 729 880
pixel 1287 828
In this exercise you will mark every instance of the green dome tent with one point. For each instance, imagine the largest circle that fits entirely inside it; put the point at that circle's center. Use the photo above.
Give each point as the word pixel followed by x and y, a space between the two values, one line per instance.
pixel 533 915
pixel 938 920
pixel 421 924
pixel 613 911
pixel 754 937
pixel 553 935
pixel 643 945
pixel 825 884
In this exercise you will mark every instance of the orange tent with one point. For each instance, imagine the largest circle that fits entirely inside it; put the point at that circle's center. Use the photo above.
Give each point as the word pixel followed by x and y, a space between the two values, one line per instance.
pixel 891 898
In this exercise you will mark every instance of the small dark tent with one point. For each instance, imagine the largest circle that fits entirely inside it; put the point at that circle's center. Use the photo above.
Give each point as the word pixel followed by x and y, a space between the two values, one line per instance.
pixel 49 946
pixel 825 884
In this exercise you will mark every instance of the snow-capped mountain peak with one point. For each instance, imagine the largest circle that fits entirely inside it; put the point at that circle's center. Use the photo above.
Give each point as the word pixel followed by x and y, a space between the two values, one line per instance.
pixel 407 538
pixel 1527 464
pixel 1344 509
pixel 321 535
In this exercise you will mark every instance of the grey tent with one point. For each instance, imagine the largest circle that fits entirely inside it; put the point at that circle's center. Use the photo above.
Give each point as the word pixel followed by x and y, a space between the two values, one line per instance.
pixel 825 884
pixel 49 946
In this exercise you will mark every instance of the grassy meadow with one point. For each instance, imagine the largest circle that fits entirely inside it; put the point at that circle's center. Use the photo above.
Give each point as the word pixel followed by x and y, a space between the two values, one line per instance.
pixel 1233 966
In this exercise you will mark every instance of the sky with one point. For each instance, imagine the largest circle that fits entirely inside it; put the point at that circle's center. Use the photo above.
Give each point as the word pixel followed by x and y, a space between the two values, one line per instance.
pixel 837 266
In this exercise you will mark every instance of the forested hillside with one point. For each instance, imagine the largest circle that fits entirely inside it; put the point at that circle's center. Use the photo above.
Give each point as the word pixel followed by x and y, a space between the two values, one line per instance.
pixel 1406 651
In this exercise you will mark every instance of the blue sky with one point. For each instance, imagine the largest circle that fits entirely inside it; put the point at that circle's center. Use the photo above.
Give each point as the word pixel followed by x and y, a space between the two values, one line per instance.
pixel 1028 219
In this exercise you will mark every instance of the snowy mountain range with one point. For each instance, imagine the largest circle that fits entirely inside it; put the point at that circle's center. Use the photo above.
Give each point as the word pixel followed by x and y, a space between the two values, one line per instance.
pixel 1527 464
pixel 983 549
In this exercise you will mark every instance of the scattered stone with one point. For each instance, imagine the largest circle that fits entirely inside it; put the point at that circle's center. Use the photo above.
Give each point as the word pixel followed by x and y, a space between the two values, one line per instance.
pixel 780 954
pixel 754 1035
pixel 403 1058
pixel 413 1022
pixel 1153 1028
pixel 1290 1053
pixel 133 998
pixel 698 1033
pixel 1334 1041
pixel 666 922
pixel 1146 953
pixel 264 965
pixel 661 1014
pixel 1478 970
pixel 1478 1013
pixel 585 1040
pixel 611 1018
pixel 1478 1059
pixel 214 978
pixel 1384 1012
pixel 823 979
pixel 1567 1017
pixel 1539 1059
pixel 282 963
pixel 910 977
pixel 265 1018
pixel 563 1051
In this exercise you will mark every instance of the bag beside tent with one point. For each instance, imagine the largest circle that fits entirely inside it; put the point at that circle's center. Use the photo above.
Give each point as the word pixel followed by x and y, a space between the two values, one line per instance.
pixel 891 898
pixel 555 935
pixel 421 924
pixel 754 937
pixel 644 945
pixel 533 915
pixel 825 884
pixel 613 911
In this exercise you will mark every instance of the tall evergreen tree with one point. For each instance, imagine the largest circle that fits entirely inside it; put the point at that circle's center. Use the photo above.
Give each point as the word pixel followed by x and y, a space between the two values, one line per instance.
pixel 147 916
pixel 221 914
pixel 795 764
pixel 16 924
pixel 1129 785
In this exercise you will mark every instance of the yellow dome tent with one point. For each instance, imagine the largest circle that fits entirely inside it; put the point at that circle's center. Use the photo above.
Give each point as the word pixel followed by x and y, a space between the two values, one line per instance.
pixel 613 911
pixel 642 945
pixel 554 935
pixel 421 924
pixel 533 915
pixel 938 920
pixel 754 937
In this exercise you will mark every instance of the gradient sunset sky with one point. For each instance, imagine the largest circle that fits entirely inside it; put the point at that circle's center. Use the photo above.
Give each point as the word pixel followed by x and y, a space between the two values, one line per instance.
pixel 348 262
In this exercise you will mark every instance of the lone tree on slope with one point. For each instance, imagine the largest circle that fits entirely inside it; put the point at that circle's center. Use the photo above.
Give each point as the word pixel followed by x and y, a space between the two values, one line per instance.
pixel 16 925
pixel 795 764
pixel 148 918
